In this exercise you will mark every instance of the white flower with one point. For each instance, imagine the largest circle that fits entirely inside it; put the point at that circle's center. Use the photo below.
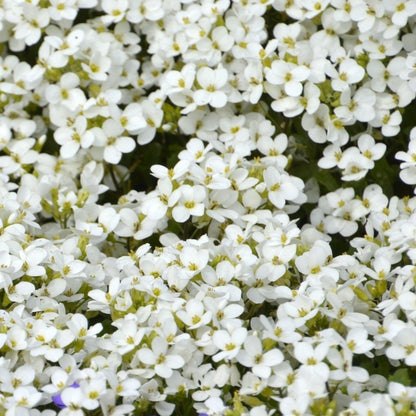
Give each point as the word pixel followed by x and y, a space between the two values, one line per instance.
pixel 131 118
pixel 73 138
pixel 254 75
pixel 366 14
pixel 156 206
pixel 202 124
pixel 20 292
pixel 73 398
pixel 389 122
pixel 281 187
pixel 31 259
pixel 212 82
pixel 218 42
pixel 186 201
pixel 289 75
pixel 303 307
pixel 176 173
pixel 329 37
pixel 29 28
pixel 66 92
pixel 251 384
pixel 240 284
pixel 332 155
pixel 98 67
pixel 260 362
pixel 5 135
pixel 292 406
pixel 376 404
pixel 56 50
pixel 101 300
pixel 195 151
pixel 24 397
pixel 233 128
pixel 193 260
pixel 398 390
pixel 220 280
pixel 228 342
pixel 78 324
pixel 287 35
pixel 145 9
pixel 369 148
pixel 311 359
pixel 194 314
pixel 294 10
pixel 16 338
pixel 314 7
pixel 408 165
pixel 349 72
pixel 177 81
pixel 292 106
pixel 317 124
pixel 385 75
pixel 93 390
pixel 403 346
pixel 354 164
pixel 110 137
pixel 357 341
pixel 360 107
pixel 115 10
pixel 283 330
pixel 216 406
pixel 402 10
pixel 158 357
pixel 260 284
pixel 52 342
pixel 20 152
pixel 153 116
pixel 342 361
pixel 60 9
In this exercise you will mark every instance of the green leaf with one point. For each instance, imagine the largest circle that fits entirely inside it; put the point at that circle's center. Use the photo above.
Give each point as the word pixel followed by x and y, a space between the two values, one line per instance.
pixel 307 145
pixel 385 175
pixel 173 151
pixel 401 376
pixel 325 178
pixel 374 366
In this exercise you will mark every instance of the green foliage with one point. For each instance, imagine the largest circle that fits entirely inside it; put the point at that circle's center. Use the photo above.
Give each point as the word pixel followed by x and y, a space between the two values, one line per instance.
pixel 405 376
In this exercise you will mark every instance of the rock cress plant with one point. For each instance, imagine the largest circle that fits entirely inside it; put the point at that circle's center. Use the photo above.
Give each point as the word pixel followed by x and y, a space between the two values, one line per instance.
pixel 207 207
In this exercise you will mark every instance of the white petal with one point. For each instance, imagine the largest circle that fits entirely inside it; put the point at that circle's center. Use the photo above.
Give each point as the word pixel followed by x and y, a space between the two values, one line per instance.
pixel 202 97
pixel 112 155
pixel 205 76
pixel 293 88
pixel 146 356
pixel 262 371
pixel 408 175
pixel 218 99
pixel 180 214
pixel 174 361
pixel 163 370
pixel 125 144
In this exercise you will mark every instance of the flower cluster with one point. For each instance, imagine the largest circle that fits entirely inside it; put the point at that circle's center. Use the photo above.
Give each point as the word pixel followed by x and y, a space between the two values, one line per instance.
pixel 204 207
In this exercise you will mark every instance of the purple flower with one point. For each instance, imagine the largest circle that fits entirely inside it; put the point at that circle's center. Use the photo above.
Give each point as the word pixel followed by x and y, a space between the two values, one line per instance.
pixel 57 399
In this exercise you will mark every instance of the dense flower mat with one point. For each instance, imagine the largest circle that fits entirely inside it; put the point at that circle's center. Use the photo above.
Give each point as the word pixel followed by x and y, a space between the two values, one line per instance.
pixel 207 207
